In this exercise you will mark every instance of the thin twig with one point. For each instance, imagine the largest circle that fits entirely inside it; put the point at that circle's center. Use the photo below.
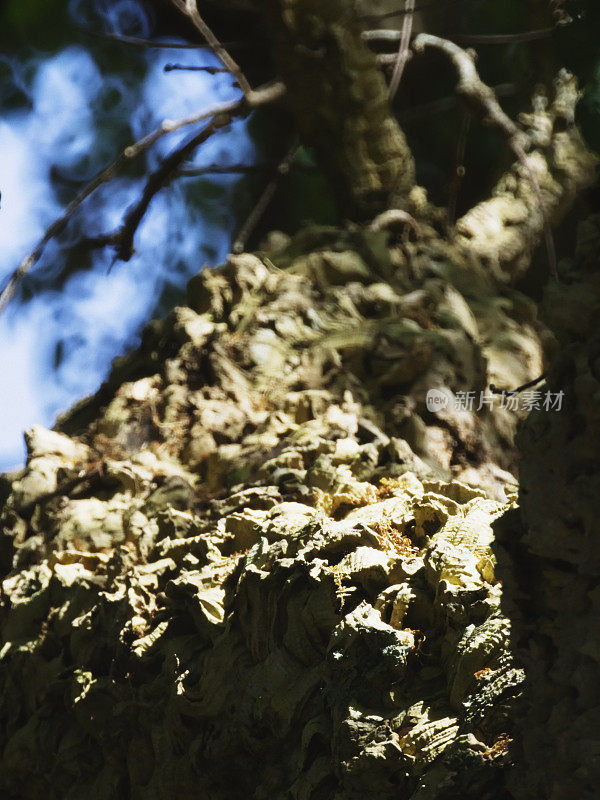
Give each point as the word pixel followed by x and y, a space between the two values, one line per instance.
pixel 459 166
pixel 122 238
pixel 185 67
pixel 265 94
pixel 147 44
pixel 474 92
pixel 528 385
pixel 130 152
pixel 403 51
pixel 503 38
pixel 220 169
pixel 480 99
pixel 446 103
pixel 263 202
pixel 399 12
pixel 189 8
pixel 393 35
pixel 137 41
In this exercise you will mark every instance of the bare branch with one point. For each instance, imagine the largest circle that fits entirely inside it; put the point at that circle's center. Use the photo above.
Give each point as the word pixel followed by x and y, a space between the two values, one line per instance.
pixel 189 8
pixel 475 93
pixel 262 96
pixel 381 35
pixel 482 100
pixel 395 217
pixel 504 229
pixel 220 169
pixel 403 51
pixel 190 68
pixel 137 41
pixel 528 385
pixel 263 202
pixel 393 35
pixel 446 103
pixel 398 12
pixel 122 239
pixel 503 38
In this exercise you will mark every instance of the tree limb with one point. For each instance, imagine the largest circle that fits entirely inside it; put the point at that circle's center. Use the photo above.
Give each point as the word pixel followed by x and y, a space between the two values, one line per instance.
pixel 262 96
pixel 193 68
pixel 504 229
pixel 403 51
pixel 189 8
pixel 340 101
pixel 149 44
pixel 122 239
pixel 264 200
pixel 481 99
pixel 474 92
pixel 393 35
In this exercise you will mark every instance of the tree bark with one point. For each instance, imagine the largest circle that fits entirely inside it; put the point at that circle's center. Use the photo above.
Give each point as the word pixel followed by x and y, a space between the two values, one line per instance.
pixel 339 99
pixel 551 576
pixel 258 563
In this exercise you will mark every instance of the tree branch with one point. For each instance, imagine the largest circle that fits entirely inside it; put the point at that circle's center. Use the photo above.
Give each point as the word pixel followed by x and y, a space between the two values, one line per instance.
pixel 263 202
pixel 222 169
pixel 191 68
pixel 340 101
pixel 504 38
pixel 148 44
pixel 189 8
pixel 393 35
pixel 477 95
pixel 403 51
pixel 262 96
pixel 122 239
pixel 505 229
pixel 481 99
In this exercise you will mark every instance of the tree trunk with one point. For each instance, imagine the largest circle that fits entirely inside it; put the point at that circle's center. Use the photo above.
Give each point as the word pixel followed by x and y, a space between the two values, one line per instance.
pixel 551 577
pixel 339 99
pixel 259 562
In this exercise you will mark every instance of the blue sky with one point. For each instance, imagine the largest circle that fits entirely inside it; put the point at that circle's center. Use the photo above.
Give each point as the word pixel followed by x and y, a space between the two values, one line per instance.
pixel 96 312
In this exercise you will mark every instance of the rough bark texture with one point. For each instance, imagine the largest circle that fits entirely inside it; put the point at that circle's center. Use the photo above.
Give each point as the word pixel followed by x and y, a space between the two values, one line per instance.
pixel 339 98
pixel 551 577
pixel 257 587
pixel 504 230
pixel 256 564
pixel 240 578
